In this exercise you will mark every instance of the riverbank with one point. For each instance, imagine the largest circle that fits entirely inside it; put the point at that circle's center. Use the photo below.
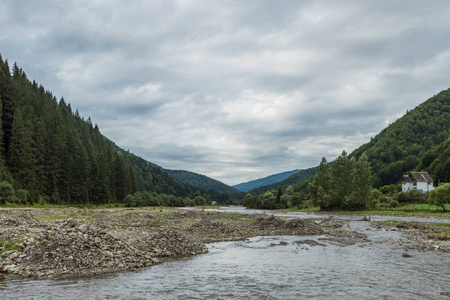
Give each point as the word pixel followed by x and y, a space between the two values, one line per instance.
pixel 58 243
pixel 66 242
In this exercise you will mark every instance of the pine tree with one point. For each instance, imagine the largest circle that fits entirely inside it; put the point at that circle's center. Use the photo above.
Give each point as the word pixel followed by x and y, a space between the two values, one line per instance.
pixel 22 153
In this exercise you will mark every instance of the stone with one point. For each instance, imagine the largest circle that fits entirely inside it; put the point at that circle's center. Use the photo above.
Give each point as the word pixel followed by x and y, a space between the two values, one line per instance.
pixel 82 228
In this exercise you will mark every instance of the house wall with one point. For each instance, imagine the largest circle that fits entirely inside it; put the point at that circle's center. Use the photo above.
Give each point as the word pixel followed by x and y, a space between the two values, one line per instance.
pixel 421 186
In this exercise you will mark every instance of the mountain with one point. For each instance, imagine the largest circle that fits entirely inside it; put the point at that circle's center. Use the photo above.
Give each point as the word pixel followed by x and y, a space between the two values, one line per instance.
pixel 250 185
pixel 436 161
pixel 401 146
pixel 52 154
pixel 292 180
pixel 201 181
pixel 417 141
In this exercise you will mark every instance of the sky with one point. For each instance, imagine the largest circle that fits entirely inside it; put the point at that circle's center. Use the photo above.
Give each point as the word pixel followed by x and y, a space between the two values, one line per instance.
pixel 235 90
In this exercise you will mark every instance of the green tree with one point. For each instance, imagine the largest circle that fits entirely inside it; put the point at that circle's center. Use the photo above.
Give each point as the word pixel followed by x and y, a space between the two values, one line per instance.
pixel 249 201
pixel 361 185
pixel 346 184
pixel 440 196
pixel 320 186
pixel 22 152
pixel 296 200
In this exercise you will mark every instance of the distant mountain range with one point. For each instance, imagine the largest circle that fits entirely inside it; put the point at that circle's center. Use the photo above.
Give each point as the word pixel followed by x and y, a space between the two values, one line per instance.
pixel 250 185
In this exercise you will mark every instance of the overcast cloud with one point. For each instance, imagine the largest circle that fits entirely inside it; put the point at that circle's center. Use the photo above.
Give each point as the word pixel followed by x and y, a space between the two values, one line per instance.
pixel 235 90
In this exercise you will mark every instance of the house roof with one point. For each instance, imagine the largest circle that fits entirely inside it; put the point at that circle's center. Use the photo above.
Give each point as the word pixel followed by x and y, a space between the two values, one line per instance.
pixel 417 177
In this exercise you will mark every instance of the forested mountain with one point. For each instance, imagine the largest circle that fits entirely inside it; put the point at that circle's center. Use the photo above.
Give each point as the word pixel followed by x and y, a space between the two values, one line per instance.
pixel 436 161
pixel 57 156
pixel 201 181
pixel 250 185
pixel 400 147
pixel 295 180
pixel 419 140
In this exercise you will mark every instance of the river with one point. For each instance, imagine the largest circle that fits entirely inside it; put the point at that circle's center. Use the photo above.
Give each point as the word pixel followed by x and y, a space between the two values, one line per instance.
pixel 282 267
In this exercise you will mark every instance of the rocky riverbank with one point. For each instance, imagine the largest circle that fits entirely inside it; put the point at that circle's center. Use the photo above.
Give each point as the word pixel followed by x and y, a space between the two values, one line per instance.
pixel 427 237
pixel 58 243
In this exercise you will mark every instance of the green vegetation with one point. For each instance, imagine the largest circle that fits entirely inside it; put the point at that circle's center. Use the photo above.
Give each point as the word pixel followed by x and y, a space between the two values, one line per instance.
pixel 296 180
pixel 202 181
pixel 343 185
pixel 49 154
pixel 154 199
pixel 441 196
pixel 277 200
pixel 404 144
pixel 6 245
pixel 254 184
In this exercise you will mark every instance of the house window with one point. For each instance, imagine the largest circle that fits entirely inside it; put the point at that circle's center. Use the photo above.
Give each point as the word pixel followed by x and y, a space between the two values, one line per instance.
pixel 414 183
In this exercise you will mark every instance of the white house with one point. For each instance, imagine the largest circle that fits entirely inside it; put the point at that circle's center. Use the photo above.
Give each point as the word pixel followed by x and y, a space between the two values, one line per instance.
pixel 420 181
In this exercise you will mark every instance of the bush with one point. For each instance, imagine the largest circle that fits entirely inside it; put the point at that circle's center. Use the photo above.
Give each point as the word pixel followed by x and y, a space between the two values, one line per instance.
pixel 440 196
pixel 22 195
pixel 129 201
pixel 6 191
pixel 402 197
pixel 394 203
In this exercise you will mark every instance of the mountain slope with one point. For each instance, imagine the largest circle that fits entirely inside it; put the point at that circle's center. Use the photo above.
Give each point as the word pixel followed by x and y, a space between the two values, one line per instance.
pixel 293 180
pixel 250 185
pixel 201 181
pixel 59 157
pixel 436 161
pixel 399 148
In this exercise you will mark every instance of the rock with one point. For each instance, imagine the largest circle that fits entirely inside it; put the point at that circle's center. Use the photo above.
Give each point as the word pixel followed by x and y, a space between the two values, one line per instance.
pixel 82 228
pixel 8 268
pixel 406 255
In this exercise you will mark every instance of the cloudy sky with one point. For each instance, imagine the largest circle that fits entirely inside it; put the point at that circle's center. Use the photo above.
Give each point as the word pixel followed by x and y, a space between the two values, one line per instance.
pixel 235 90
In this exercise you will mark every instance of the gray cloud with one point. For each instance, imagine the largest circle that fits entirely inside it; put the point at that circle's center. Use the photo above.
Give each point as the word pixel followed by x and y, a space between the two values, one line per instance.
pixel 235 90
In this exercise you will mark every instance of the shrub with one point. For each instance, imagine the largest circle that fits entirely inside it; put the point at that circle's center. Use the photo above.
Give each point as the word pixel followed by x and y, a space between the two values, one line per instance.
pixel 6 191
pixel 394 203
pixel 22 195
pixel 440 196
pixel 129 201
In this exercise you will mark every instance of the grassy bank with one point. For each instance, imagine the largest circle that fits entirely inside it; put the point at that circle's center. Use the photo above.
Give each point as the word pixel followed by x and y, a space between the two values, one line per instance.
pixel 411 210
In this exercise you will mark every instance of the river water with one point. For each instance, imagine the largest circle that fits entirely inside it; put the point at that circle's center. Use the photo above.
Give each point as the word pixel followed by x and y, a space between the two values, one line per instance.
pixel 282 267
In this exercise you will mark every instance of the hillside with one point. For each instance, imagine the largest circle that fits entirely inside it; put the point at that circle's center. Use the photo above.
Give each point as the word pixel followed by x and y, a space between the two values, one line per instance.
pixel 201 181
pixel 417 141
pixel 292 180
pixel 53 154
pixel 436 161
pixel 250 185
pixel 400 147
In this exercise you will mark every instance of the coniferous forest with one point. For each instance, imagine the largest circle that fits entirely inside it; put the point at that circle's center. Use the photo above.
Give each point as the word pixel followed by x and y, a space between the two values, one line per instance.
pixel 51 154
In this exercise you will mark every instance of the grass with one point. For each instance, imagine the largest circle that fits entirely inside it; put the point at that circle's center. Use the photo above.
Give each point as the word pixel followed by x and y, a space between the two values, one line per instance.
pixel 422 207
pixel 308 209
pixel 7 245
pixel 399 213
